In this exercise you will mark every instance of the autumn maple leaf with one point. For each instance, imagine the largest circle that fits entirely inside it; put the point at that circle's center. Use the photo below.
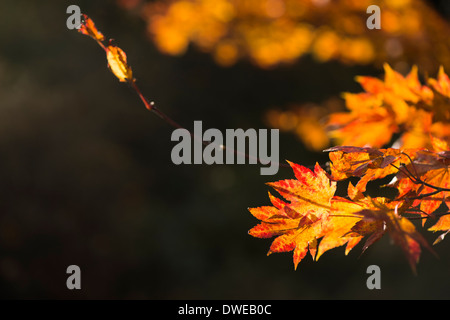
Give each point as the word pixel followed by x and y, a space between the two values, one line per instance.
pixel 312 219
pixel 378 125
pixel 425 177
pixel 299 222
pixel 388 218
pixel 376 217
pixel 367 163
pixel 341 220
pixel 310 213
pixel 421 174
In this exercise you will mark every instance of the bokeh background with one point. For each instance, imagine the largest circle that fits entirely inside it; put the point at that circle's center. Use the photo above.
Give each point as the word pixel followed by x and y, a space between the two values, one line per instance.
pixel 85 171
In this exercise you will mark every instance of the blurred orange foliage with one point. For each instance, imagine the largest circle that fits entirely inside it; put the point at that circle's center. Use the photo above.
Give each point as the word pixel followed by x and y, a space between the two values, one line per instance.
pixel 306 121
pixel 270 32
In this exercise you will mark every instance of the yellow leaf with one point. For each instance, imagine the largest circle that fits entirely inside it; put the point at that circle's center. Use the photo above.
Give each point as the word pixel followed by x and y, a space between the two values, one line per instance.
pixel 117 62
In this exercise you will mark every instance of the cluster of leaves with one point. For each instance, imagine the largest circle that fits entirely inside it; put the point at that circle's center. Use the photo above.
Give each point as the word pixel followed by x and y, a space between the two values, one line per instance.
pixel 419 164
pixel 270 32
pixel 397 105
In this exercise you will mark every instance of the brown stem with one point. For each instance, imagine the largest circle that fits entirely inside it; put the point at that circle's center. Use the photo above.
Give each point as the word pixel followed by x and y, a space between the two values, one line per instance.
pixel 417 180
pixel 151 107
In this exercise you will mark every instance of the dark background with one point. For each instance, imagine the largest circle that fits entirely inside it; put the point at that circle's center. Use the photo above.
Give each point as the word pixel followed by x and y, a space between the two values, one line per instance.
pixel 86 176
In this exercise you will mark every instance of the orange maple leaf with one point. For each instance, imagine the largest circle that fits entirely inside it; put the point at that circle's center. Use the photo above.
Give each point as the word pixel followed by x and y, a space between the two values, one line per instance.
pixel 310 213
pixel 299 222
pixel 339 228
pixel 426 178
pixel 378 216
pixel 367 163
pixel 357 227
pixel 311 218
pixel 387 217
pixel 378 124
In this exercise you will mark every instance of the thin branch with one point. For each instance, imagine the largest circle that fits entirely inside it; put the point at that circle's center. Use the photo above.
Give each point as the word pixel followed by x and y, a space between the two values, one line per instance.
pixel 151 107
pixel 423 196
pixel 417 180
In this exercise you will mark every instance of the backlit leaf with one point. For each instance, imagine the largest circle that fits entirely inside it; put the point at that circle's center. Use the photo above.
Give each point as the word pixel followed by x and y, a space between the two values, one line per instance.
pixel 302 217
pixel 88 28
pixel 117 62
